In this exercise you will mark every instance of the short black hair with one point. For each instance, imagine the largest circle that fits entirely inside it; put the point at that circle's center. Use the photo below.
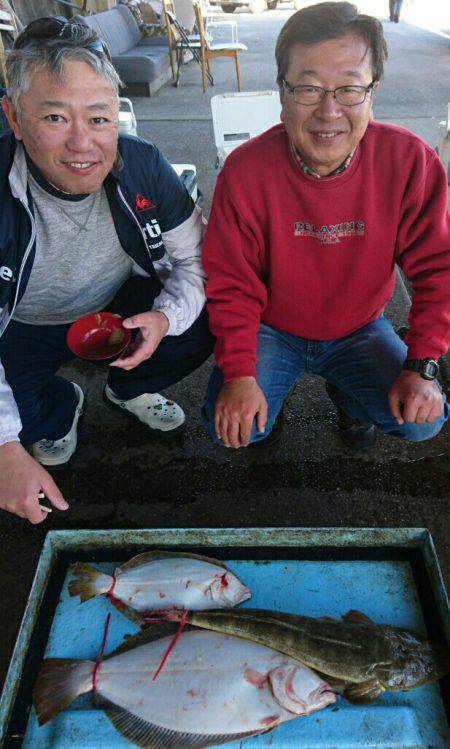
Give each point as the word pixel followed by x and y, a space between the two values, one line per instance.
pixel 332 20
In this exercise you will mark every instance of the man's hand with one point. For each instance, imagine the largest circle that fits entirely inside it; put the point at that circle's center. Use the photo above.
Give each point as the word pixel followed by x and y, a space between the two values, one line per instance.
pixel 414 399
pixel 238 402
pixel 153 327
pixel 21 480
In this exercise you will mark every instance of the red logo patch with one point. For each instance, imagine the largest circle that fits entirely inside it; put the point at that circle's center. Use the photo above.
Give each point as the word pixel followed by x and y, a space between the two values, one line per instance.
pixel 142 204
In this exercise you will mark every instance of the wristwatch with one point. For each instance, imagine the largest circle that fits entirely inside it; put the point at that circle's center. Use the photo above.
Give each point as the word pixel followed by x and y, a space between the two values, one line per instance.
pixel 427 368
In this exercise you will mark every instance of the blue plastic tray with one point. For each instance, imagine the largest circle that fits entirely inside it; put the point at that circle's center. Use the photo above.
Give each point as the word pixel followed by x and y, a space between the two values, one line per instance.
pixel 384 589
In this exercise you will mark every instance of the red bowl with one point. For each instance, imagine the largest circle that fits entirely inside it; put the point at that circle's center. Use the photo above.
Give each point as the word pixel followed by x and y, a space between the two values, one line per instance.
pixel 98 336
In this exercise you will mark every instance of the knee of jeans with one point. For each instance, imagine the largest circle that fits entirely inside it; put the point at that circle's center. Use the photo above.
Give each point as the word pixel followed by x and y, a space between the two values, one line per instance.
pixel 419 432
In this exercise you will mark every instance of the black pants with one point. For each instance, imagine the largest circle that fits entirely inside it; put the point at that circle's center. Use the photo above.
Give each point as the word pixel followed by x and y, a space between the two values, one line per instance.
pixel 32 354
pixel 395 7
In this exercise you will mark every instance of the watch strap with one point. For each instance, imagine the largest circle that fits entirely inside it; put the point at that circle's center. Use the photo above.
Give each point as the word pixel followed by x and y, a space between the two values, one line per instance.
pixel 427 368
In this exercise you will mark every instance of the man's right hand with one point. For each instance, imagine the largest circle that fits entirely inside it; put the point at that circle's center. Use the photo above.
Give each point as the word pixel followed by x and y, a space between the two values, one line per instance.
pixel 238 402
pixel 21 480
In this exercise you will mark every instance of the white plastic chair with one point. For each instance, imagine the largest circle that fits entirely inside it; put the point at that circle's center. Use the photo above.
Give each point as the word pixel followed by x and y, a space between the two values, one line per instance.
pixel 443 146
pixel 239 117
pixel 212 21
pixel 127 118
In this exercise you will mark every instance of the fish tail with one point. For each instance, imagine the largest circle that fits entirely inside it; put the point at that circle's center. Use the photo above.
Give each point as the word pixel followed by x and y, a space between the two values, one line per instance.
pixel 89 582
pixel 59 682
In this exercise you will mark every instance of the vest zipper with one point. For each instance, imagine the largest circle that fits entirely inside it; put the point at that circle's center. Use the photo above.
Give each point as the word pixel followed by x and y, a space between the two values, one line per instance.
pixel 25 258
pixel 137 224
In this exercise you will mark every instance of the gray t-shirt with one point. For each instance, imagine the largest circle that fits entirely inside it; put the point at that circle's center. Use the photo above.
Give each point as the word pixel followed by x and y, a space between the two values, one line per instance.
pixel 79 264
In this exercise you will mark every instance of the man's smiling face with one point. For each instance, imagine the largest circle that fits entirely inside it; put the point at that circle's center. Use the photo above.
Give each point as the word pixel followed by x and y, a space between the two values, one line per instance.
pixel 326 133
pixel 69 129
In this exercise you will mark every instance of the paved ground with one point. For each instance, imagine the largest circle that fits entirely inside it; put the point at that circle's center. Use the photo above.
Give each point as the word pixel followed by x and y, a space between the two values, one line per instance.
pixel 121 478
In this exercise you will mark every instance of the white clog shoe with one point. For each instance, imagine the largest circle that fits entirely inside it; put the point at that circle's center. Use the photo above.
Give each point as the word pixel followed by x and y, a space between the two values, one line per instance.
pixel 57 453
pixel 153 409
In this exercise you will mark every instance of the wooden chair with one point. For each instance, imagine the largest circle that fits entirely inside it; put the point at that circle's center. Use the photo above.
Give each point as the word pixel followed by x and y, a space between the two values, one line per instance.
pixel 7 24
pixel 209 51
pixel 180 40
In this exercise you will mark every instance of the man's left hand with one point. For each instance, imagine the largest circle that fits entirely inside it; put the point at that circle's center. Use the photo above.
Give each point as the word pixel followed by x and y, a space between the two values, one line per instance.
pixel 415 400
pixel 153 327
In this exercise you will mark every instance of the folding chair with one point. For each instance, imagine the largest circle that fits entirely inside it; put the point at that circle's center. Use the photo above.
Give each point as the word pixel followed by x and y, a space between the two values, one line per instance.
pixel 239 117
pixel 178 41
pixel 209 51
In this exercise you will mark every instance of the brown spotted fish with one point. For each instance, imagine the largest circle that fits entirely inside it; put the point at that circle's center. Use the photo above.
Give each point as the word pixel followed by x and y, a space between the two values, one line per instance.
pixel 354 653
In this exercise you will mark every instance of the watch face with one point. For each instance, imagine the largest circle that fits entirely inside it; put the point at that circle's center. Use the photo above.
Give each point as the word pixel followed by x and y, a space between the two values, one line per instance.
pixel 430 369
pixel 427 368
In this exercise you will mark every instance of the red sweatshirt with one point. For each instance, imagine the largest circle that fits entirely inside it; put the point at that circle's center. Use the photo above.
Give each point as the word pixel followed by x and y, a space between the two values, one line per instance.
pixel 316 257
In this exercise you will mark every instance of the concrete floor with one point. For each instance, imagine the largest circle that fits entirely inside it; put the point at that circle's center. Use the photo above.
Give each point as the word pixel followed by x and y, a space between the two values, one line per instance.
pixel 122 478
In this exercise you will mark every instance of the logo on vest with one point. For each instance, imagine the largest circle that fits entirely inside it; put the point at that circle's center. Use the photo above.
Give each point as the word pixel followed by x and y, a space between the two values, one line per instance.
pixel 153 232
pixel 330 233
pixel 143 204
pixel 6 274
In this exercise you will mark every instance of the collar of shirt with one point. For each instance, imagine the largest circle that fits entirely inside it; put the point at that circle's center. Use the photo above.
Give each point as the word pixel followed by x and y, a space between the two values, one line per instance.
pixel 48 187
pixel 309 171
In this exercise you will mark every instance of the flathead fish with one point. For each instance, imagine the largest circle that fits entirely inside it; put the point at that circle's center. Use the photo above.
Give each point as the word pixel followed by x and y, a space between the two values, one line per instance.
pixel 162 580
pixel 214 688
pixel 354 653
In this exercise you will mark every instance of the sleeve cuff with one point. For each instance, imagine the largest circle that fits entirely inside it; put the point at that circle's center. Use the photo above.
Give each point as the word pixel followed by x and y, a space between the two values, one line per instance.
pixel 234 371
pixel 172 314
pixel 5 438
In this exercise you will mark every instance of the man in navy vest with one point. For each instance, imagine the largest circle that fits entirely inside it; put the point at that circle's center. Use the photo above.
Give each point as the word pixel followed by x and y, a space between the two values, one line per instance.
pixel 90 221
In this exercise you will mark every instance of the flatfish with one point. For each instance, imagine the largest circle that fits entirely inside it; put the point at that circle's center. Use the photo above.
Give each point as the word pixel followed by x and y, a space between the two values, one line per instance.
pixel 355 654
pixel 160 580
pixel 213 689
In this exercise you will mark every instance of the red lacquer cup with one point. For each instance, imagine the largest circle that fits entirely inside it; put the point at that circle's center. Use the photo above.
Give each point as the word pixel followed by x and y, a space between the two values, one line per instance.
pixel 98 336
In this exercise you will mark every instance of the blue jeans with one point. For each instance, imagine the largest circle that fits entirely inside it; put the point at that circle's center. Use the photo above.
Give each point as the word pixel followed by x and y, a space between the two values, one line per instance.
pixel 363 366
pixel 32 354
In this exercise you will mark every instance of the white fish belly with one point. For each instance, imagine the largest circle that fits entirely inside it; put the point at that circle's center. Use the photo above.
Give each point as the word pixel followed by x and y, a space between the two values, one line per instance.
pixel 210 684
pixel 168 583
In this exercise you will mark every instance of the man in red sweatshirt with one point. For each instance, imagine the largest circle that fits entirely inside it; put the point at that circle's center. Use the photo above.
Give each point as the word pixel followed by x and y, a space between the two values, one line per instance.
pixel 308 222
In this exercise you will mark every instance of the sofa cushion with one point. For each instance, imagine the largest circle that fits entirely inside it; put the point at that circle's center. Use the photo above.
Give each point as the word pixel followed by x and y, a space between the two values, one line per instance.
pixel 142 64
pixel 117 27
pixel 154 41
pixel 137 58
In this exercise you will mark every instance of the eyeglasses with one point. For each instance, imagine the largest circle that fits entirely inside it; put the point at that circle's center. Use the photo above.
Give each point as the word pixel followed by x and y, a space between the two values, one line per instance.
pixel 58 27
pixel 348 96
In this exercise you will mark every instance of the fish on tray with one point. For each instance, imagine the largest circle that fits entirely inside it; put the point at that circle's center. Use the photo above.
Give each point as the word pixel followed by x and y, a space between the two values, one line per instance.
pixel 213 689
pixel 353 653
pixel 162 580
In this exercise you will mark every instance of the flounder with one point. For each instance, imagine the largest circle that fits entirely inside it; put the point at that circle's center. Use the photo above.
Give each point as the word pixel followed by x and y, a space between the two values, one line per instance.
pixel 161 580
pixel 213 689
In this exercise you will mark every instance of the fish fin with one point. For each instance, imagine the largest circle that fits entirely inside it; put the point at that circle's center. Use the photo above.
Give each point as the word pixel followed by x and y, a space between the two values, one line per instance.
pixel 59 682
pixel 363 693
pixel 148 635
pixel 333 681
pixel 127 611
pixel 145 734
pixel 357 617
pixel 85 584
pixel 327 618
pixel 148 556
